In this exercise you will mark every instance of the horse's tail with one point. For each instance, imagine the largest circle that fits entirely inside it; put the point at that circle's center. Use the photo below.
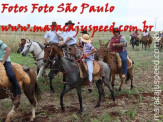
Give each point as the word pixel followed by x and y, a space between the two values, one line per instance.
pixel 37 92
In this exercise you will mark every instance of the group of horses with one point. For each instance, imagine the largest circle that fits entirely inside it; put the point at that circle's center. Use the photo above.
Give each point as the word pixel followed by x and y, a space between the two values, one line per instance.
pixel 145 41
pixel 58 59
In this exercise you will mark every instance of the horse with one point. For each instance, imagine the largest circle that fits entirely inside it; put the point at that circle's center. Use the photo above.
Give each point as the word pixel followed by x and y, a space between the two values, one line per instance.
pixel 109 58
pixel 50 53
pixel 146 41
pixel 38 52
pixel 74 81
pixel 133 41
pixel 21 45
pixel 31 91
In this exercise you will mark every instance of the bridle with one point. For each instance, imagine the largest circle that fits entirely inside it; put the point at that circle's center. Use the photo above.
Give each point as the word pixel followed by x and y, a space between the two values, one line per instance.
pixel 49 53
pixel 28 48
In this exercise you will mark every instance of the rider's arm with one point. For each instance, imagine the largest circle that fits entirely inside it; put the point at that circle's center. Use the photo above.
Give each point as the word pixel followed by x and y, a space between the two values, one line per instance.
pixel 46 37
pixel 8 50
pixel 92 52
pixel 71 36
pixel 122 43
pixel 59 34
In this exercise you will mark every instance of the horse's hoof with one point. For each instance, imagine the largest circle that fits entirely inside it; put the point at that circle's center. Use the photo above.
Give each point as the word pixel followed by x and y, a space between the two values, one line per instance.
pixel 131 87
pixel 115 102
pixel 32 119
pixel 79 112
pixel 63 108
pixel 98 105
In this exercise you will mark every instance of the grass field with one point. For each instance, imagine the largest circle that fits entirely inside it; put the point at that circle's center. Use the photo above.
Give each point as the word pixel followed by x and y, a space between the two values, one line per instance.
pixel 133 105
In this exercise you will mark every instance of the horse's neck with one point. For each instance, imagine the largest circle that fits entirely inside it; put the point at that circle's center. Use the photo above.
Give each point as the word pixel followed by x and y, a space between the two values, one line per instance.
pixel 68 66
pixel 37 50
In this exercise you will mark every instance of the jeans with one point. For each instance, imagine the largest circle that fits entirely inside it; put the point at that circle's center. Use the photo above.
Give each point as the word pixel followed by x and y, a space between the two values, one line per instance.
pixel 123 56
pixel 12 78
pixel 90 69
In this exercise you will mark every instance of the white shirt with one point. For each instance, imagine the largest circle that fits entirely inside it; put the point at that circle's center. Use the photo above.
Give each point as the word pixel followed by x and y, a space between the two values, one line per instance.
pixel 145 34
pixel 70 34
pixel 52 36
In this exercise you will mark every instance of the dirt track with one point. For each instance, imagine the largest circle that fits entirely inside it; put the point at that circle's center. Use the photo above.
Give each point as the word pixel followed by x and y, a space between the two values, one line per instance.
pixel 135 105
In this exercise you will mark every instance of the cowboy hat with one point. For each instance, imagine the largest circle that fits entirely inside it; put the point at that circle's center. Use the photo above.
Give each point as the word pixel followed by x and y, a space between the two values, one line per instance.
pixel 69 22
pixel 85 38
pixel 84 32
pixel 53 24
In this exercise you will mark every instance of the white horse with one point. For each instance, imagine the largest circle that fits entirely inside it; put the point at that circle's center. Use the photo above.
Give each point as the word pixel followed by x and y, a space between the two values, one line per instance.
pixel 34 47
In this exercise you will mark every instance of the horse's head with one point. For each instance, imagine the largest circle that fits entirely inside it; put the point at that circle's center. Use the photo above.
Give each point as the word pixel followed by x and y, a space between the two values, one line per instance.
pixel 55 68
pixel 103 51
pixel 48 50
pixel 28 47
pixel 21 45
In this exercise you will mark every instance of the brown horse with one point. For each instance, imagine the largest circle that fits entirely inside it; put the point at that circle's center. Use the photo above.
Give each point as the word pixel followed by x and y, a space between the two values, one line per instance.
pixel 21 45
pixel 31 91
pixel 108 57
pixel 146 41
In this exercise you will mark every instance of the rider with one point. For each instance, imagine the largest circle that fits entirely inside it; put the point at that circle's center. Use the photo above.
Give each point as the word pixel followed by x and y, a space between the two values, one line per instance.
pixel 5 60
pixel 135 35
pixel 88 55
pixel 145 33
pixel 80 42
pixel 69 37
pixel 118 44
pixel 53 35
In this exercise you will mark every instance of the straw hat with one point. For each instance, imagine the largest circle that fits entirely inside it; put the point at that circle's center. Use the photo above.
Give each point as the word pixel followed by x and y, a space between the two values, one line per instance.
pixel 85 38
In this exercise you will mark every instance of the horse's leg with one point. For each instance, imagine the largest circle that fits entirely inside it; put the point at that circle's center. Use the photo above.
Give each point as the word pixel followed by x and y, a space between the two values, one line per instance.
pixel 80 98
pixel 64 91
pixel 37 70
pixel 113 79
pixel 122 81
pixel 107 83
pixel 99 87
pixel 51 85
pixel 11 114
pixel 32 92
pixel 51 76
pixel 131 77
pixel 40 72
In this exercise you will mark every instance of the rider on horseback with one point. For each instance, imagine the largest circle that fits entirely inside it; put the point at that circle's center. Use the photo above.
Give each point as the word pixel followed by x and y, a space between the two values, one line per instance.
pixel 118 44
pixel 53 35
pixel 88 55
pixel 135 35
pixel 145 33
pixel 69 37
pixel 80 42
pixel 5 60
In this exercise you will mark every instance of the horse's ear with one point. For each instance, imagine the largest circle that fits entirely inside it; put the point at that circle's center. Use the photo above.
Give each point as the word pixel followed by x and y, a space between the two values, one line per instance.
pixel 100 42
pixel 106 45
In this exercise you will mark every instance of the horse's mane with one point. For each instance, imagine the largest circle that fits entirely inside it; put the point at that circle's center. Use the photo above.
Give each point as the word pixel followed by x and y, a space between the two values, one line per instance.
pixel 69 59
pixel 41 45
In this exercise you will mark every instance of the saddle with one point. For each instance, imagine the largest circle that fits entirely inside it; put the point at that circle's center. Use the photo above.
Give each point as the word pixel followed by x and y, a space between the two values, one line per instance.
pixel 84 69
pixel 21 75
pixel 119 61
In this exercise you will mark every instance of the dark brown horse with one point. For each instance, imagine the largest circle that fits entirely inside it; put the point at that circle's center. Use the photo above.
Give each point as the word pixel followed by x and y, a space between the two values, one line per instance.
pixel 108 57
pixel 31 91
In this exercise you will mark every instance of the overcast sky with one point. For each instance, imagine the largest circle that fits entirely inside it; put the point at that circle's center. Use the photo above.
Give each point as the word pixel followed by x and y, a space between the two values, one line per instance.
pixel 126 12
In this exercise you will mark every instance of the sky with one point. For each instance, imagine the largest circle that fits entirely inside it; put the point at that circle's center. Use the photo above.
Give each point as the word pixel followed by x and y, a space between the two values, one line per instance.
pixel 126 12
